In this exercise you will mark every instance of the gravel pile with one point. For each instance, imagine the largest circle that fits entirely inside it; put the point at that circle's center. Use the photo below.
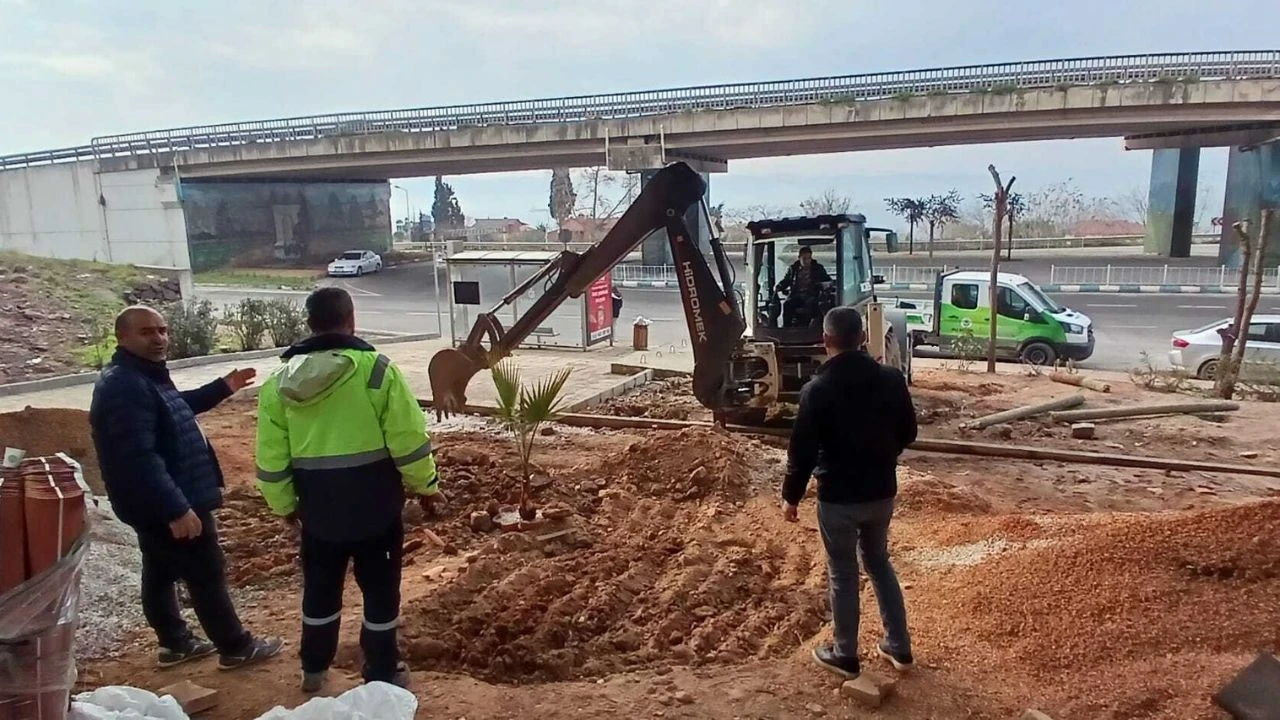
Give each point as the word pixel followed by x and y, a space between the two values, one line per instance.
pixel 109 608
pixel 1129 606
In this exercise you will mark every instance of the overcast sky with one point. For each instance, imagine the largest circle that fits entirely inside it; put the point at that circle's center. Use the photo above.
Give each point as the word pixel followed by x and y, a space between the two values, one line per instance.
pixel 70 70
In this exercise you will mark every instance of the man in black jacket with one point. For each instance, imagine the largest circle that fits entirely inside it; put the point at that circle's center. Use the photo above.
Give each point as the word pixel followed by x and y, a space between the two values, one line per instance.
pixel 801 283
pixel 163 480
pixel 855 418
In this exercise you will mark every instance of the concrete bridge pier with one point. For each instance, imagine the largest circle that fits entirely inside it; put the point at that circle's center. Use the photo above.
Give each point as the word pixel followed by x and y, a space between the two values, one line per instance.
pixel 1171 202
pixel 1253 183
pixel 656 250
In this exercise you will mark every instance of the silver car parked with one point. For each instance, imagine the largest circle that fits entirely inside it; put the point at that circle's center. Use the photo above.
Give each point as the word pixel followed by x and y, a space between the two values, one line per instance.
pixel 1196 351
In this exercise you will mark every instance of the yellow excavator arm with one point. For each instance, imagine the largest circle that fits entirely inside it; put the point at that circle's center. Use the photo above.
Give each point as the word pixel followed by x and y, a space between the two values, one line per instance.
pixel 711 306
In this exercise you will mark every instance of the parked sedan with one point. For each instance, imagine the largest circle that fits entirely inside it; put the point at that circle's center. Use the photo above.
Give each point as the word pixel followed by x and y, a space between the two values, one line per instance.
pixel 1196 351
pixel 355 262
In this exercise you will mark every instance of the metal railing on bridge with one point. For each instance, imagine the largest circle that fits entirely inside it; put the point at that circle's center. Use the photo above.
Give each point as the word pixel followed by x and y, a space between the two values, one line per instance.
pixel 1111 275
pixel 845 88
pixel 656 274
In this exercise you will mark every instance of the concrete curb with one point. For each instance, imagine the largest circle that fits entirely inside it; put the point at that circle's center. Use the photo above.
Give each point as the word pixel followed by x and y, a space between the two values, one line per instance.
pixel 64 381
pixel 621 388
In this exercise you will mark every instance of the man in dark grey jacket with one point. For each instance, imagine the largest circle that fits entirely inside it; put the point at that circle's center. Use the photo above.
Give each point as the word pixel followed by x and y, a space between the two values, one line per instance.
pixel 855 418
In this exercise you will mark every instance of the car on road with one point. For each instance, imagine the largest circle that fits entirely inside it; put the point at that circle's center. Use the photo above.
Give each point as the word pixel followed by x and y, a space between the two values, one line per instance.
pixel 1196 351
pixel 355 263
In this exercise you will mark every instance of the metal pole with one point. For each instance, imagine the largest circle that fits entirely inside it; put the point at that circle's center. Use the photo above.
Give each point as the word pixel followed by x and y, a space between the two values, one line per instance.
pixel 435 279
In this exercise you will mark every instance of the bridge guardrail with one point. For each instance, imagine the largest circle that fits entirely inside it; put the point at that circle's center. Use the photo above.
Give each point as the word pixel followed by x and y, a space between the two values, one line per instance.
pixel 969 78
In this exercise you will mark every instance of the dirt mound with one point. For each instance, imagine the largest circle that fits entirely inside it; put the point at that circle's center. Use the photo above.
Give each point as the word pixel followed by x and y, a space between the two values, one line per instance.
pixel 1114 593
pixel 650 592
pixel 920 494
pixel 670 399
pixel 46 431
pixel 689 464
pixel 259 546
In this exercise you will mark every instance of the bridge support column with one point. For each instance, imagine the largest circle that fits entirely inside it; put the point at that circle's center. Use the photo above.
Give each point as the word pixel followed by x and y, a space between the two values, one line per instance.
pixel 656 250
pixel 1171 204
pixel 1253 183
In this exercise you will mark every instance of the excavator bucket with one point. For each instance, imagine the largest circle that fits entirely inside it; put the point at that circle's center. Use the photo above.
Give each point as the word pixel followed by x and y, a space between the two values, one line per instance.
pixel 450 371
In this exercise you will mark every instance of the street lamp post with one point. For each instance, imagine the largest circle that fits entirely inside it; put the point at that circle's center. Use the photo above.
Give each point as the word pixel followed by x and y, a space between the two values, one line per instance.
pixel 408 215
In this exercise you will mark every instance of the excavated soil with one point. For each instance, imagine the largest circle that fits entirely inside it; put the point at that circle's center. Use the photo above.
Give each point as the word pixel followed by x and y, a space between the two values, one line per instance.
pixel 650 589
pixel 668 584
pixel 43 431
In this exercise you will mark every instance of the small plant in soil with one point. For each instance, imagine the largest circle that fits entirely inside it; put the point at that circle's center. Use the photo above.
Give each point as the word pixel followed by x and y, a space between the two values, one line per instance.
pixel 523 409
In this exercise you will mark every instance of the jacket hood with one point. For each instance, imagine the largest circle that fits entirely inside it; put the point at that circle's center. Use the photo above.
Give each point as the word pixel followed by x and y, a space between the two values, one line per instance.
pixel 315 366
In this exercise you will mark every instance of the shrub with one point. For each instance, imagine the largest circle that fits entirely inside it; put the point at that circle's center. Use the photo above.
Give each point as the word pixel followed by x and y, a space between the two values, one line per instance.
pixel 193 328
pixel 248 319
pixel 287 322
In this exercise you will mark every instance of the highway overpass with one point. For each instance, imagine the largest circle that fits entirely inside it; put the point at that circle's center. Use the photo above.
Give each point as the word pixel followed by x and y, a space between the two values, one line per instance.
pixel 1173 103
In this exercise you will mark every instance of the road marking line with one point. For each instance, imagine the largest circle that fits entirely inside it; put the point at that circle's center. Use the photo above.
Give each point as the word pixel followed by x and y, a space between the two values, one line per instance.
pixel 1108 305
pixel 1132 327
pixel 360 291
pixel 370 312
pixel 1202 307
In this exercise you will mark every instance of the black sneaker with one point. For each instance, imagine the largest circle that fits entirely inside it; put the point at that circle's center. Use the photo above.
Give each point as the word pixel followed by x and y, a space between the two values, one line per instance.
pixel 901 661
pixel 194 649
pixel 260 649
pixel 846 667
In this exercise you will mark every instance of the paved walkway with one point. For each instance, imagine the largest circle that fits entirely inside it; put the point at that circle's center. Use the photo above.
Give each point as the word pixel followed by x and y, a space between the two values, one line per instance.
pixel 590 376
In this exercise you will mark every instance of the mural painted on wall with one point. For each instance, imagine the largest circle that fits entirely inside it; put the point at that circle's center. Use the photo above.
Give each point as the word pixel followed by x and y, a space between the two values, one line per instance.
pixel 274 224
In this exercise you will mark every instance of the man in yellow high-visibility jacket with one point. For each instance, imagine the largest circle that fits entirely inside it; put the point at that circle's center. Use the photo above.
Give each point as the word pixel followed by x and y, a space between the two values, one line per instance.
pixel 341 438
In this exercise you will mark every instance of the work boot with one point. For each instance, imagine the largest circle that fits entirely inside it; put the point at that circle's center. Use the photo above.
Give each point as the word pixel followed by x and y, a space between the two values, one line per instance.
pixel 399 679
pixel 313 681
pixel 846 667
pixel 193 649
pixel 901 660
pixel 258 650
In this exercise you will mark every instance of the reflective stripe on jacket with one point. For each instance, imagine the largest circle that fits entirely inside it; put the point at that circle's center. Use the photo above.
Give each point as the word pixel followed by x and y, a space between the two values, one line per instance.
pixel 340 439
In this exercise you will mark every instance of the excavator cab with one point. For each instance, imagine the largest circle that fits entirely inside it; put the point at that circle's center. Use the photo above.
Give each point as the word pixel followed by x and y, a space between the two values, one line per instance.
pixel 801 267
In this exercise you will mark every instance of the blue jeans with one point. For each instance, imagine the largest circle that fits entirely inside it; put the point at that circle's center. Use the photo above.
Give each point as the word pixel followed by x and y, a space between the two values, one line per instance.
pixel 863 527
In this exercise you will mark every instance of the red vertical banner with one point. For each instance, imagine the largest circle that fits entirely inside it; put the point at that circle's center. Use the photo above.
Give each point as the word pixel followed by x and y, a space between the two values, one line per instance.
pixel 600 310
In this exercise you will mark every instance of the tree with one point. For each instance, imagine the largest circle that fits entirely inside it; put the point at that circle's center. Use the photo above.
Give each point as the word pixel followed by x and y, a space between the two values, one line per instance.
pixel 1014 206
pixel 911 210
pixel 563 198
pixel 445 210
pixel 1235 337
pixel 1000 203
pixel 522 410
pixel 604 194
pixel 829 202
pixel 940 210
pixel 1134 204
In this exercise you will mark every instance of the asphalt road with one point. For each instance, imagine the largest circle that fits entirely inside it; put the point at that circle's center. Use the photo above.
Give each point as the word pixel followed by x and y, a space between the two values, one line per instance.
pixel 402 300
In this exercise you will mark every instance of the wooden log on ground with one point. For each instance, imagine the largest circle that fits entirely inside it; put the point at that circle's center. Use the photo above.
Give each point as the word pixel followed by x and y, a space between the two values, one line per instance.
pixel 1080 381
pixel 1019 452
pixel 1025 411
pixel 1133 411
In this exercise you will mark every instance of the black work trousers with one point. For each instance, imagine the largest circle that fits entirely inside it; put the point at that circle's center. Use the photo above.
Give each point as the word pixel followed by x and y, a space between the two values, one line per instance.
pixel 200 564
pixel 376 562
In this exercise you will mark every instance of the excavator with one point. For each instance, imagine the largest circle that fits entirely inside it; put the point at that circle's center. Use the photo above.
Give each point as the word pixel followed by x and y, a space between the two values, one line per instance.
pixel 753 353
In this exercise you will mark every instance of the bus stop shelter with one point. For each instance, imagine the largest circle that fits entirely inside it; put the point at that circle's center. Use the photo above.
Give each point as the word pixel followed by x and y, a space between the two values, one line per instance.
pixel 480 279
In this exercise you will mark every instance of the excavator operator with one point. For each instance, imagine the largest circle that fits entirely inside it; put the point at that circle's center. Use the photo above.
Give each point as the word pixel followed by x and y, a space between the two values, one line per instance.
pixel 802 286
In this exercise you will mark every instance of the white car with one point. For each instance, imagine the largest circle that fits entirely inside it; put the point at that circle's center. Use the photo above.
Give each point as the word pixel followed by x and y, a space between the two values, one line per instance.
pixel 1196 351
pixel 355 263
